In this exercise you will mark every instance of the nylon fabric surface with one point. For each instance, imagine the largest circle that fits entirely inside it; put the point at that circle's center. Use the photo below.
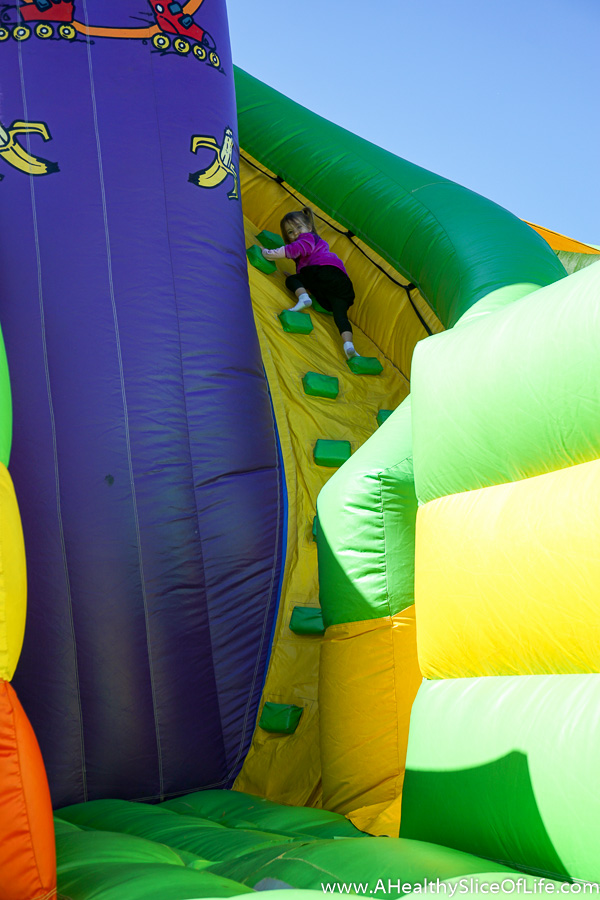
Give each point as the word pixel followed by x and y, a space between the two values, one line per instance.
pixel 382 307
pixel 171 849
pixel 146 462
pixel 13 579
pixel 366 541
pixel 505 767
pixel 562 243
pixel 287 768
pixel 332 862
pixel 367 507
pixel 368 680
pixel 382 586
pixel 5 406
pixel 573 262
pixel 535 365
pixel 508 578
pixel 237 810
pixel 27 851
pixel 312 855
pixel 455 245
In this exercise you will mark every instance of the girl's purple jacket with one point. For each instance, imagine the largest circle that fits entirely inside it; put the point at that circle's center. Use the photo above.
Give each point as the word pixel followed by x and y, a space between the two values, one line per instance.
pixel 311 250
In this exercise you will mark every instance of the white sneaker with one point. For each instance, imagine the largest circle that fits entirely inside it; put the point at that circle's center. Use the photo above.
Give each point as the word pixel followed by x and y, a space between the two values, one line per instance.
pixel 304 302
pixel 349 350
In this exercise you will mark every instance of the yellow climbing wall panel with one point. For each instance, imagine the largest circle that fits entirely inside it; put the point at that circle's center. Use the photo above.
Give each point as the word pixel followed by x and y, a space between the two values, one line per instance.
pixel 286 768
pixel 383 308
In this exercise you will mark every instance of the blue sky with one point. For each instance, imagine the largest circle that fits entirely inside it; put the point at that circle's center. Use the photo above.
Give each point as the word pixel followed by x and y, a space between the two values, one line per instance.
pixel 501 97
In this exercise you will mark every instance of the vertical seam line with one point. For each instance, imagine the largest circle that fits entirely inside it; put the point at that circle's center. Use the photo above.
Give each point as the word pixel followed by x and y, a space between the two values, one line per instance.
pixel 187 418
pixel 53 429
pixel 125 411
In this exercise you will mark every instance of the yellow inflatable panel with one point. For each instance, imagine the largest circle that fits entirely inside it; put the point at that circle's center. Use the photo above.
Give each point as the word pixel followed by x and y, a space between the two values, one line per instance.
pixel 285 768
pixel 13 583
pixel 508 578
pixel 369 679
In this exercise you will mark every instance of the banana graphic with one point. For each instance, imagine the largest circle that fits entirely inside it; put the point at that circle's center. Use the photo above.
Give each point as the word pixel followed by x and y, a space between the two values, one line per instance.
pixel 217 172
pixel 17 156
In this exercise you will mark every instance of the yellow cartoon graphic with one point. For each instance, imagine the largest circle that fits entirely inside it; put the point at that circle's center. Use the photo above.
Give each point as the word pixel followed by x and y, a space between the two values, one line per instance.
pixel 222 166
pixel 15 155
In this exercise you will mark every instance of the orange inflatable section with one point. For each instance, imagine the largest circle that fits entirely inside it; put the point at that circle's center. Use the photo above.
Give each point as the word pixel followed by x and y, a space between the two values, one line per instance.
pixel 27 852
pixel 561 242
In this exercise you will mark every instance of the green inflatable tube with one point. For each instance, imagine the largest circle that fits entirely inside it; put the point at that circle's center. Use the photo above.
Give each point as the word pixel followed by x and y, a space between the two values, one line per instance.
pixel 453 244
pixel 357 581
pixel 5 407
pixel 506 767
pixel 533 364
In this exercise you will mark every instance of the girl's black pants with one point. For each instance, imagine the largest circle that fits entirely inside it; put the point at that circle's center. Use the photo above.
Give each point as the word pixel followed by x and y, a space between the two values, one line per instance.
pixel 330 287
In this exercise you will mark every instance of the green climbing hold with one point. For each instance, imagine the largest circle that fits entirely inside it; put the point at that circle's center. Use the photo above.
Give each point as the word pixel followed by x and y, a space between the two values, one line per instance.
pixel 316 305
pixel 365 365
pixel 270 240
pixel 6 417
pixel 254 254
pixel 307 620
pixel 280 718
pixel 321 385
pixel 383 414
pixel 314 529
pixel 331 453
pixel 296 322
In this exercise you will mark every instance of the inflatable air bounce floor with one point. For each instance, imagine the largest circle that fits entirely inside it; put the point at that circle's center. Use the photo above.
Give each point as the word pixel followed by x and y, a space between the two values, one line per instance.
pixel 293 623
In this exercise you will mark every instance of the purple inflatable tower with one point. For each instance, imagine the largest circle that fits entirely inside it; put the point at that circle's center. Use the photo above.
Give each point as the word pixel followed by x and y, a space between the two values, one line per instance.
pixel 145 456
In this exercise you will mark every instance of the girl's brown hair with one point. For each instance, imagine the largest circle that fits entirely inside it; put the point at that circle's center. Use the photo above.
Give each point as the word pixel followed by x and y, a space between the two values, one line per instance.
pixel 302 217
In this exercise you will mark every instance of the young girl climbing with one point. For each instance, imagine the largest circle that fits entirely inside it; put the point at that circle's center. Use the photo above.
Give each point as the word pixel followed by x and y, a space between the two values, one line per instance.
pixel 318 270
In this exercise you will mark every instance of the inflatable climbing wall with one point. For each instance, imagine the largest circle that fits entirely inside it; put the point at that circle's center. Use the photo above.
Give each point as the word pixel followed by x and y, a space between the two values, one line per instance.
pixel 144 459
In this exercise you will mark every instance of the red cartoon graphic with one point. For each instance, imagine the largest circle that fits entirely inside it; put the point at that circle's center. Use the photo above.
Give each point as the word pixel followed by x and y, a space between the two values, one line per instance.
pixel 172 28
pixel 171 18
pixel 47 11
